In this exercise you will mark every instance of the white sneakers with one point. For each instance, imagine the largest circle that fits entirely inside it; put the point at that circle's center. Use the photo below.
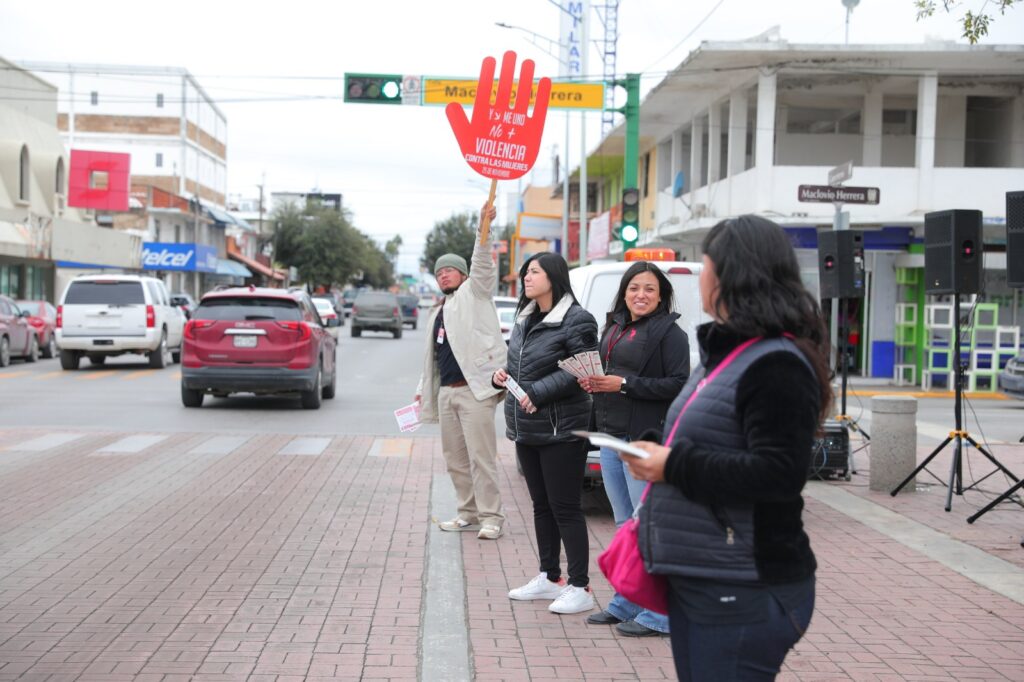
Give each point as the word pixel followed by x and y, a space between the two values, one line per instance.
pixel 567 598
pixel 573 600
pixel 538 588
pixel 489 532
pixel 459 524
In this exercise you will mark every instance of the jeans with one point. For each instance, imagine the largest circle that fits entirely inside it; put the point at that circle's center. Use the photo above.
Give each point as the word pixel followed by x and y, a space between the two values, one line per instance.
pixel 736 652
pixel 624 493
pixel 554 477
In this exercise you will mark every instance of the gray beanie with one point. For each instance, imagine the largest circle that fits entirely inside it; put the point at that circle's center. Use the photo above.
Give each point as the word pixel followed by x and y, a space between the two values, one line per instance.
pixel 452 260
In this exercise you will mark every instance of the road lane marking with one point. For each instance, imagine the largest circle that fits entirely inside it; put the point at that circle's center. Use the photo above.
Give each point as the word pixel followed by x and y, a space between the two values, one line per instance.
pixel 140 373
pixel 305 446
pixel 219 445
pixel 13 375
pixel 92 376
pixel 47 442
pixel 131 444
pixel 50 375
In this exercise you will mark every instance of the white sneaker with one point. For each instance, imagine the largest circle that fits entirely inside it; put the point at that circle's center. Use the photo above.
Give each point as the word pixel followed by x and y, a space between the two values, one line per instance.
pixel 459 524
pixel 538 588
pixel 489 532
pixel 573 600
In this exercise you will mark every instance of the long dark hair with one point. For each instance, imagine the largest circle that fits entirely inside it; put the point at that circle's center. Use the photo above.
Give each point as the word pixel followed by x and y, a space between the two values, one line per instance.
pixel 760 292
pixel 665 305
pixel 555 268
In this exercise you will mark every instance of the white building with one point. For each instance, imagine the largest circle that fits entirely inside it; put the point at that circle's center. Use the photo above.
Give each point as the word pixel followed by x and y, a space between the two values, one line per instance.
pixel 738 126
pixel 174 131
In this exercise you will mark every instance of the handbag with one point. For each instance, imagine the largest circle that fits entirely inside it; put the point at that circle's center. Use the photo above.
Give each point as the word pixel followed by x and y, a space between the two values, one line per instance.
pixel 622 562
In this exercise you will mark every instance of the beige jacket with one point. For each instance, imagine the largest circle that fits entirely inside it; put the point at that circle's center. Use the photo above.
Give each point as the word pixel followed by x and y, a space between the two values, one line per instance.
pixel 471 327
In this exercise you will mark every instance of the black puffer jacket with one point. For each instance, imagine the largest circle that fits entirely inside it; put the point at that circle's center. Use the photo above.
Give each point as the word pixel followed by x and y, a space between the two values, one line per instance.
pixel 562 406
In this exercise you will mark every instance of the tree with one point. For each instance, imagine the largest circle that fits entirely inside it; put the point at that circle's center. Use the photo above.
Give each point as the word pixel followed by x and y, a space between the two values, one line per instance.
pixel 975 25
pixel 289 226
pixel 376 268
pixel 331 251
pixel 455 234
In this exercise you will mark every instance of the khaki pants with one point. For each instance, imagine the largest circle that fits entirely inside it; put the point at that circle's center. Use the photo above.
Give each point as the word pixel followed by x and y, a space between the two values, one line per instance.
pixel 471 452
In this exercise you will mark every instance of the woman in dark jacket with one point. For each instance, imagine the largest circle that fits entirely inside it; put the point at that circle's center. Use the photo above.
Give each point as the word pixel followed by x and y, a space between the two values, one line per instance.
pixel 551 326
pixel 646 359
pixel 723 521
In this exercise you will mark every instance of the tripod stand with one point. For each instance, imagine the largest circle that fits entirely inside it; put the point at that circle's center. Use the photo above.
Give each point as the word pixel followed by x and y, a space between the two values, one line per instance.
pixel 845 420
pixel 958 435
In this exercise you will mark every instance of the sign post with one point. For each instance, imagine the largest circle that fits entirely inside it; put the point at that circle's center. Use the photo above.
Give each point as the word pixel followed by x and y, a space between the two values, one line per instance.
pixel 501 142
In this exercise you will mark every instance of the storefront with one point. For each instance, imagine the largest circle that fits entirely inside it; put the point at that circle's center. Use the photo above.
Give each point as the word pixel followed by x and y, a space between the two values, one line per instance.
pixel 182 267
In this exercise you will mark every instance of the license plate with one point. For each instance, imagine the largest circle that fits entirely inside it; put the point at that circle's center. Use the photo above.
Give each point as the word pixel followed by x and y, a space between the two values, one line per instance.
pixel 245 341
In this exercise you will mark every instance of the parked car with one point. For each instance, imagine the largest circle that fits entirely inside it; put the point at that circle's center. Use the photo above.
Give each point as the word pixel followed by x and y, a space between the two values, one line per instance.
pixel 42 316
pixel 102 316
pixel 1011 379
pixel 376 311
pixel 17 337
pixel 505 302
pixel 256 340
pixel 410 309
pixel 185 302
pixel 427 301
pixel 348 297
pixel 328 315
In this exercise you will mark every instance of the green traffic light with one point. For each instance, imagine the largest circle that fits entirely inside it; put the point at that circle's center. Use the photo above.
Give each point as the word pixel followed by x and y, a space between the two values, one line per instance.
pixel 630 233
pixel 373 88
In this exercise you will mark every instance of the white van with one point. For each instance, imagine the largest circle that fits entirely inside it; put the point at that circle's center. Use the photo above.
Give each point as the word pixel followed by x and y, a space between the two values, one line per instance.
pixel 101 316
pixel 595 287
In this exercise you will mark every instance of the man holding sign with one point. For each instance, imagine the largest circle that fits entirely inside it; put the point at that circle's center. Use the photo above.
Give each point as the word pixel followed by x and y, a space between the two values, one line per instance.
pixel 464 347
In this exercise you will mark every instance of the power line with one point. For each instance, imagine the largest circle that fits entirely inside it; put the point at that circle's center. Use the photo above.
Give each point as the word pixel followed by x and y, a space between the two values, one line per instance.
pixel 688 35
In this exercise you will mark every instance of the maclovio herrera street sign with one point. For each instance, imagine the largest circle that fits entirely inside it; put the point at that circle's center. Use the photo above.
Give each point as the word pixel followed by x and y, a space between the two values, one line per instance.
pixel 826 194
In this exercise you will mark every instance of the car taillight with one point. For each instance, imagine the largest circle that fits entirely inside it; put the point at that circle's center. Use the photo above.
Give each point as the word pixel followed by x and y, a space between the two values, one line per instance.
pixel 354 310
pixel 594 467
pixel 397 312
pixel 150 317
pixel 415 312
pixel 192 326
pixel 301 327
pixel 60 317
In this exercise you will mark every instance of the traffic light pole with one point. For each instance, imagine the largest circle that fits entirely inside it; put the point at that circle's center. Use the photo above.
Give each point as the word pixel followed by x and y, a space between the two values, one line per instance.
pixel 632 113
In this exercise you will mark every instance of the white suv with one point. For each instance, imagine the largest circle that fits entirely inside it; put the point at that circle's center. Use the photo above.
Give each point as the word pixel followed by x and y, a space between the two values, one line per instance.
pixel 100 316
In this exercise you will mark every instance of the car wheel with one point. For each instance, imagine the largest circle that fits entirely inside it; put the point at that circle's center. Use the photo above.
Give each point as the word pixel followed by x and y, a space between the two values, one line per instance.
pixel 191 398
pixel 311 399
pixel 414 326
pixel 50 349
pixel 398 333
pixel 69 359
pixel 5 352
pixel 331 388
pixel 98 360
pixel 176 356
pixel 158 359
pixel 356 331
pixel 33 349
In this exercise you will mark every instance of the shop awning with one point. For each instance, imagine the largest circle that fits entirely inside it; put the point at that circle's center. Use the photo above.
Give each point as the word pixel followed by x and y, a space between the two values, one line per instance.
pixel 232 269
pixel 256 266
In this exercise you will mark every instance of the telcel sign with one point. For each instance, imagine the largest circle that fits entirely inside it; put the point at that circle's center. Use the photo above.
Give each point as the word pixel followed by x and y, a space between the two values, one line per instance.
pixel 178 257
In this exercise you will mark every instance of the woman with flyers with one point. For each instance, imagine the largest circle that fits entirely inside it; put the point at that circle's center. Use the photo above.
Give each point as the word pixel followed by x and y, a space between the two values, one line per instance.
pixel 544 405
pixel 646 358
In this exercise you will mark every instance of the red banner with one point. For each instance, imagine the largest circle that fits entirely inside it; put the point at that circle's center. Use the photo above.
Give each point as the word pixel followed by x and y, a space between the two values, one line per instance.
pixel 501 141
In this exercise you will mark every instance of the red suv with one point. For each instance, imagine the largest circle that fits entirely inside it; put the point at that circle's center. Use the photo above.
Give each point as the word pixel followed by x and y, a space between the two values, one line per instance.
pixel 254 340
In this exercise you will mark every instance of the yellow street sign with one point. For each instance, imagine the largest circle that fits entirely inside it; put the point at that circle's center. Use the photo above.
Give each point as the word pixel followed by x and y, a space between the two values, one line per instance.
pixel 564 95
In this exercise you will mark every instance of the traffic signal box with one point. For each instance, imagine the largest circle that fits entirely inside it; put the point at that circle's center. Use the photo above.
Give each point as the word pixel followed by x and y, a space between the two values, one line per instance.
pixel 630 230
pixel 373 88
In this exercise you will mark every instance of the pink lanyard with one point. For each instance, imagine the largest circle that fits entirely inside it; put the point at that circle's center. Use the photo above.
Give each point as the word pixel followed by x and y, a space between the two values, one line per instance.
pixel 707 380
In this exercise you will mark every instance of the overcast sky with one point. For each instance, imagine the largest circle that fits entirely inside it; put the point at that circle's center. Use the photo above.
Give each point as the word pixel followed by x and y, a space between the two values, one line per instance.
pixel 398 167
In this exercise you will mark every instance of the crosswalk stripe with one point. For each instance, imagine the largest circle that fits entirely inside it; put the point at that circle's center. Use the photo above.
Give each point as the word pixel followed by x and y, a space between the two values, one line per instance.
pixel 47 442
pixel 131 444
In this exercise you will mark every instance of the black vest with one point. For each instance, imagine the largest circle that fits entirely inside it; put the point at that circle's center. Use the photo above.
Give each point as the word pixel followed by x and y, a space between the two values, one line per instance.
pixel 679 536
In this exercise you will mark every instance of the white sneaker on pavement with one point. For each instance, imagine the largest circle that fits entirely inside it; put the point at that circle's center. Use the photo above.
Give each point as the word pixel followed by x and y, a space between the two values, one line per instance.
pixel 538 588
pixel 573 600
pixel 489 532
pixel 459 524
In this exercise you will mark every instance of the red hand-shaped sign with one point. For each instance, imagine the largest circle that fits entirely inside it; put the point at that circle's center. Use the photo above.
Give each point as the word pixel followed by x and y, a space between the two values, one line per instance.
pixel 502 142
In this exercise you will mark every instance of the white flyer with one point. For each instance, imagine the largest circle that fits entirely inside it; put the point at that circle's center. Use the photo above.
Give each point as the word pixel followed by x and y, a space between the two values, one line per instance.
pixel 408 417
pixel 514 388
pixel 603 440
pixel 595 360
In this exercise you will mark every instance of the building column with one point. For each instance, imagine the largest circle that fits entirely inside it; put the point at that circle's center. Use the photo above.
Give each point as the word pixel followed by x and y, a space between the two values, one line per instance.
pixel 871 155
pixel 714 142
pixel 737 151
pixel 924 156
pixel 696 154
pixel 764 147
pixel 1017 133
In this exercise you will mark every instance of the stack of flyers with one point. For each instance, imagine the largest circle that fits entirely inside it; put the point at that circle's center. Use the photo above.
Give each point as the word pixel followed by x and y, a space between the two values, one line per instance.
pixel 514 388
pixel 583 365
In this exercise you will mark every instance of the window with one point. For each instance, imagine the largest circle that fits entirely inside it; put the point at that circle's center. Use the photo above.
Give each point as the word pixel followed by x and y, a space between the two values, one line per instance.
pixel 99 179
pixel 110 292
pixel 234 309
pixel 159 160
pixel 94 98
pixel 899 122
pixel 816 121
pixel 160 100
pixel 645 174
pixel 59 180
pixel 24 174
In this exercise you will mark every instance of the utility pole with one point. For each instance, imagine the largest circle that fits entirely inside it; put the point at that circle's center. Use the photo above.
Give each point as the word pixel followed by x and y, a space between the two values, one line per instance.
pixel 632 113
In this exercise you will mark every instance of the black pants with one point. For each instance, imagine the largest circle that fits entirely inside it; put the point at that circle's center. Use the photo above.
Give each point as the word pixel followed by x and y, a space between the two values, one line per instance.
pixel 554 476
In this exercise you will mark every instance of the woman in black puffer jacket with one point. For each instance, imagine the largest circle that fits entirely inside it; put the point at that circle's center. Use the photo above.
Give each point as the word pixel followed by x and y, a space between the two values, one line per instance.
pixel 551 326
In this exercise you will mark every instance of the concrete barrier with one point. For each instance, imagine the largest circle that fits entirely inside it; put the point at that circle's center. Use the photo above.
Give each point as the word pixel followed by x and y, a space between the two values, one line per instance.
pixel 893 442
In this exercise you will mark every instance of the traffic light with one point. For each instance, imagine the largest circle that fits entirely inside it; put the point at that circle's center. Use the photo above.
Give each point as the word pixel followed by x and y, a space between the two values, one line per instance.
pixel 630 230
pixel 373 88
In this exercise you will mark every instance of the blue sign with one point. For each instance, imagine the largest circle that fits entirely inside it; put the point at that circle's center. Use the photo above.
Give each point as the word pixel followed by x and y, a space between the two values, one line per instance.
pixel 179 257
pixel 678 185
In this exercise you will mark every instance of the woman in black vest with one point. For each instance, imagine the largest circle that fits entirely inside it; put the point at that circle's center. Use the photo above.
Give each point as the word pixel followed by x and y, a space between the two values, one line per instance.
pixel 646 358
pixel 723 520
pixel 551 326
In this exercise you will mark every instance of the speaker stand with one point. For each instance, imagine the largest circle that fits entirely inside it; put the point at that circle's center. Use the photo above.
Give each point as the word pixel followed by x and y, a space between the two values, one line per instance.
pixel 958 435
pixel 845 420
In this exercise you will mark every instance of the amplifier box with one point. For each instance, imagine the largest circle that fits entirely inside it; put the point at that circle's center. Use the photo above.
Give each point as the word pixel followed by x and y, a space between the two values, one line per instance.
pixel 830 454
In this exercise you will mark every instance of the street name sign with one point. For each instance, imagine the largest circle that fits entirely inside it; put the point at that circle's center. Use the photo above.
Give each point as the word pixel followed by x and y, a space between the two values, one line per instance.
pixel 825 194
pixel 564 95
pixel 840 174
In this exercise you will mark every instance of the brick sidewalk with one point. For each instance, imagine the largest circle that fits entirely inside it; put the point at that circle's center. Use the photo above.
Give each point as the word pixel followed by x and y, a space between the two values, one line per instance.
pixel 194 559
